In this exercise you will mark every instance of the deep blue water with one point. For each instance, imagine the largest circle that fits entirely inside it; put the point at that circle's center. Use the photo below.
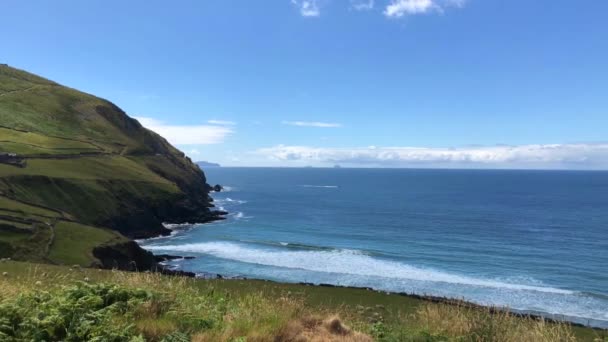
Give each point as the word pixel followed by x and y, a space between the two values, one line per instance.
pixel 530 240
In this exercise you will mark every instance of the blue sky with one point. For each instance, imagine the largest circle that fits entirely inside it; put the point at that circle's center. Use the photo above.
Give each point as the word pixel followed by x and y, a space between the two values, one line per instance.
pixel 383 83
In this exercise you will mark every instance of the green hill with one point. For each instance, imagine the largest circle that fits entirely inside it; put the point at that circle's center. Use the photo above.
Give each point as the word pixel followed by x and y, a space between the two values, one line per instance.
pixel 79 177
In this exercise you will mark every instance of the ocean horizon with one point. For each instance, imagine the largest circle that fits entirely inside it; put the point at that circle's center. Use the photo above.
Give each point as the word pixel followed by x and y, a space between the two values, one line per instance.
pixel 534 241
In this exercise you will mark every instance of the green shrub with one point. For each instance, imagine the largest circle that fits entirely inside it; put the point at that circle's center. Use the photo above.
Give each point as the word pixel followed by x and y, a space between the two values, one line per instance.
pixel 77 313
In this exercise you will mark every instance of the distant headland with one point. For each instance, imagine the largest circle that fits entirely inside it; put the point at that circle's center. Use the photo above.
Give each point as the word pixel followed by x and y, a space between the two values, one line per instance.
pixel 207 164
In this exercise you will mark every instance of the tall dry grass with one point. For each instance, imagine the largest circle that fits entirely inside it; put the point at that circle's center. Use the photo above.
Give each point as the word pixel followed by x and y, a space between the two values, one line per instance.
pixel 475 324
pixel 315 329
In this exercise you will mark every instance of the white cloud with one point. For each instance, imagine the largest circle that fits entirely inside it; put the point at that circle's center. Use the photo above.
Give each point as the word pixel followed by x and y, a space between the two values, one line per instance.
pixel 308 8
pixel 395 9
pixel 222 122
pixel 312 124
pixel 362 5
pixel 550 156
pixel 187 135
pixel 193 152
pixel 400 8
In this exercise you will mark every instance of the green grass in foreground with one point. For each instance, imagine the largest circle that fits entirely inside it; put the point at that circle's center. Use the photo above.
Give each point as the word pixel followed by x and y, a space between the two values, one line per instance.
pixel 51 303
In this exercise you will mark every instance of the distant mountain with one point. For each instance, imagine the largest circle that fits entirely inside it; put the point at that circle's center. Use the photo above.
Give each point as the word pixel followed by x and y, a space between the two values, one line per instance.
pixel 79 178
pixel 204 164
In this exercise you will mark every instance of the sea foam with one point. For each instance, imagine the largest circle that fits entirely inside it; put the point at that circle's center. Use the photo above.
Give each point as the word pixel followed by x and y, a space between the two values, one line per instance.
pixel 344 261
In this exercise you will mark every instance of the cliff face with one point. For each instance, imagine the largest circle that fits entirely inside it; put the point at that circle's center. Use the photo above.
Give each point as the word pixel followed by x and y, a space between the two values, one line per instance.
pixel 83 157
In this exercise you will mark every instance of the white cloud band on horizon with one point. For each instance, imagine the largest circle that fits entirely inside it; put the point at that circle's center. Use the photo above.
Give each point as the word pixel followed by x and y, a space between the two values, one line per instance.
pixel 575 156
pixel 312 124
pixel 187 135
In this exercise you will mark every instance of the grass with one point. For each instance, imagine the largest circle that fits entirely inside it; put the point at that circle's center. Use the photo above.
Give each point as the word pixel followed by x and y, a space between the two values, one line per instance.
pixel 25 231
pixel 17 225
pixel 32 150
pixel 28 232
pixel 449 320
pixel 91 201
pixel 107 167
pixel 16 215
pixel 13 79
pixel 60 112
pixel 52 117
pixel 74 242
pixel 26 143
pixel 13 235
pixel 118 306
pixel 25 209
pixel 58 242
pixel 34 247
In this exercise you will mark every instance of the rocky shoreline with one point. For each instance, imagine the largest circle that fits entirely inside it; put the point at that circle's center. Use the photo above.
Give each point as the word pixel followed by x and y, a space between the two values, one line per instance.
pixel 129 256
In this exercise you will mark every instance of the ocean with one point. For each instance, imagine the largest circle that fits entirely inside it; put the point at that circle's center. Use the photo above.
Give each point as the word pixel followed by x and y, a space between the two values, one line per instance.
pixel 532 241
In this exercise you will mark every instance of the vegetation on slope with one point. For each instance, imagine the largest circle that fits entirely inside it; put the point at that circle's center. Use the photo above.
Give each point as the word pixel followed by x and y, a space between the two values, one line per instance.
pixel 43 302
pixel 90 167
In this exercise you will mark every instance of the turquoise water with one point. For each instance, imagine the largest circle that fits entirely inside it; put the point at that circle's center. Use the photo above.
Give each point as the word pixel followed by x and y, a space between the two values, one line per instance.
pixel 533 241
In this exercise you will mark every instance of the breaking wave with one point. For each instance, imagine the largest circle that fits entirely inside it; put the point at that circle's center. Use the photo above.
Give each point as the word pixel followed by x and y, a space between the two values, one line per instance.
pixel 343 261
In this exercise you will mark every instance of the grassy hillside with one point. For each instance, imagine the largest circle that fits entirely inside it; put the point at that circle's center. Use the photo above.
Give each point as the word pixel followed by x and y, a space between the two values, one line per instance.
pixel 44 302
pixel 74 167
